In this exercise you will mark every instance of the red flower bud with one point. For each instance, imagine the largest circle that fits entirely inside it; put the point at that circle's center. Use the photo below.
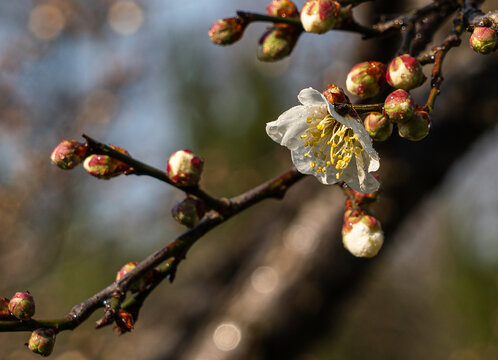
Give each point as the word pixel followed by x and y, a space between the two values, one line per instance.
pixel 405 72
pixel 378 126
pixel 483 40
pixel 277 43
pixel 189 211
pixel 68 154
pixel 399 106
pixel 366 78
pixel 22 305
pixel 334 94
pixel 320 16
pixel 282 8
pixel 417 127
pixel 227 31
pixel 184 168
pixel 42 341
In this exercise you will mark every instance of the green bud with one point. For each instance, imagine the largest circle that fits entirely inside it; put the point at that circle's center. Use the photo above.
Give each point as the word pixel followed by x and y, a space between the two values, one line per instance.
pixel 483 40
pixel 42 341
pixel 378 126
pixel 277 43
pixel 416 128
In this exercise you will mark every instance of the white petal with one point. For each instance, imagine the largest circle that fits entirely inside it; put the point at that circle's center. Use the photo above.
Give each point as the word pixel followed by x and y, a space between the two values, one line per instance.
pixel 311 97
pixel 289 126
pixel 302 164
pixel 358 178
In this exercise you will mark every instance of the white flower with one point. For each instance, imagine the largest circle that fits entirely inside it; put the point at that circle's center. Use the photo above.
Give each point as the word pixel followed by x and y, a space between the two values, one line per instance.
pixel 323 143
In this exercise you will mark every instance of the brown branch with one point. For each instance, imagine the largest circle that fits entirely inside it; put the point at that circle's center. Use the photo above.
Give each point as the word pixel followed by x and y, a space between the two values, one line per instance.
pixel 173 252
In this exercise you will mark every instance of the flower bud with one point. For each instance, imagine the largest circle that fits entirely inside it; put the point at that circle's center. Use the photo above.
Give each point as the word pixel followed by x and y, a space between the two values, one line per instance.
pixel 320 16
pixel 189 211
pixel 417 127
pixel 124 321
pixel 184 168
pixel 68 154
pixel 366 78
pixel 5 313
pixel 276 43
pixel 282 8
pixel 483 40
pixel 378 126
pixel 22 305
pixel 104 166
pixel 139 284
pixel 42 341
pixel 227 31
pixel 399 106
pixel 405 72
pixel 334 94
pixel 362 235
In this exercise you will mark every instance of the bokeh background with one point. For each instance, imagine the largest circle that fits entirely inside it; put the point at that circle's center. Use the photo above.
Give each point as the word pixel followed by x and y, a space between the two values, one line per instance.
pixel 274 282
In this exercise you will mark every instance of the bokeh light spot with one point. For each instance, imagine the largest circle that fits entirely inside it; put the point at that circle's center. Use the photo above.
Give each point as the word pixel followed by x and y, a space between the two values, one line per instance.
pixel 46 21
pixel 227 336
pixel 125 17
pixel 264 279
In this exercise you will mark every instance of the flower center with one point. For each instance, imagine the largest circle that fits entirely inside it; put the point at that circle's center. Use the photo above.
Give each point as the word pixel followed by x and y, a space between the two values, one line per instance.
pixel 330 143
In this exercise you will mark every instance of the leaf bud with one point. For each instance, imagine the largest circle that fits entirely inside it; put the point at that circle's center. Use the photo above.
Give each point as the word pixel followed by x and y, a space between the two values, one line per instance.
pixel 320 16
pixel 276 44
pixel 378 126
pixel 362 234
pixel 405 72
pixel 138 285
pixel 22 305
pixel 399 106
pixel 68 154
pixel 42 341
pixel 185 168
pixel 483 40
pixel 124 321
pixel 417 127
pixel 334 94
pixel 282 8
pixel 366 78
pixel 189 211
pixel 227 31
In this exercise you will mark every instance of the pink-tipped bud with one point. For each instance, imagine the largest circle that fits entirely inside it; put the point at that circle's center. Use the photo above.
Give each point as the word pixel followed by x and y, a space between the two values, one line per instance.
pixel 399 106
pixel 334 94
pixel 138 285
pixel 405 72
pixel 276 44
pixel 227 31
pixel 366 78
pixel 417 127
pixel 42 341
pixel 104 166
pixel 378 126
pixel 320 16
pixel 185 168
pixel 189 211
pixel 68 154
pixel 22 305
pixel 124 321
pixel 282 8
pixel 483 40
pixel 362 235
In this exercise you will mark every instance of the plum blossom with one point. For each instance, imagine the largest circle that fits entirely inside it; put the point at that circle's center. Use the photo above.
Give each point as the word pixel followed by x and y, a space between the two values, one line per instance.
pixel 323 143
